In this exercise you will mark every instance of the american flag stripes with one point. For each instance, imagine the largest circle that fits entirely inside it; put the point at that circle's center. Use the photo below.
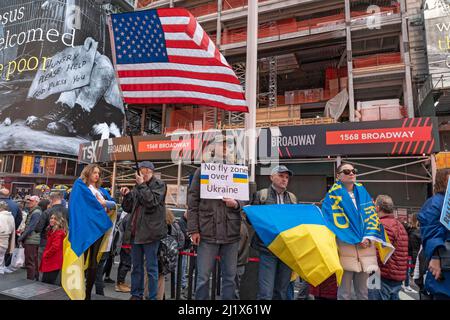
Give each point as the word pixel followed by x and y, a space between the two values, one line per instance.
pixel 165 56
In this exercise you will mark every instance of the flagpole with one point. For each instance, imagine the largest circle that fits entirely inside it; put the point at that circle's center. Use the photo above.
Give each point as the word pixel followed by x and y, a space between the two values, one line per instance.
pixel 250 84
pixel 125 105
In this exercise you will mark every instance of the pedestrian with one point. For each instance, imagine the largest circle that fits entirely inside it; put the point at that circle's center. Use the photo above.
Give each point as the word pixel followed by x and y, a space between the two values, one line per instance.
pixel 90 176
pixel 52 258
pixel 31 239
pixel 357 260
pixel 124 255
pixel 174 230
pixel 187 246
pixel 414 243
pixel 214 226
pixel 273 274
pixel 55 207
pixel 13 207
pixel 394 271
pixel 147 226
pixel 43 204
pixel 7 233
pixel 436 240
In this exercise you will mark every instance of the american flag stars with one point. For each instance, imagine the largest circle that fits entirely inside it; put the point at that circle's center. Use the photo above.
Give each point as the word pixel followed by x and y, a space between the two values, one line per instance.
pixel 139 39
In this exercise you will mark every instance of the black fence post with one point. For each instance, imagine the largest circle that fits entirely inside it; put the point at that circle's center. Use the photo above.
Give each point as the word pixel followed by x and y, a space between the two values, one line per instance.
pixel 179 276
pixel 191 262
pixel 172 285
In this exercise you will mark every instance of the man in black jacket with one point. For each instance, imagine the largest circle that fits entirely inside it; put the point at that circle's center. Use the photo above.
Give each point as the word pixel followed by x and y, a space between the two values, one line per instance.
pixel 146 227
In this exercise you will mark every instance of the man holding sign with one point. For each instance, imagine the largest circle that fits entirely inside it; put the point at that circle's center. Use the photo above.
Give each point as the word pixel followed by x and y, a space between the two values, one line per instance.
pixel 215 200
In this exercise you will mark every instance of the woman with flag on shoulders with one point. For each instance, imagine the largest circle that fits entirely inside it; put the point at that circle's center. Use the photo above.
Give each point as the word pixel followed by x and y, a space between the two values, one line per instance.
pixel 91 212
pixel 350 213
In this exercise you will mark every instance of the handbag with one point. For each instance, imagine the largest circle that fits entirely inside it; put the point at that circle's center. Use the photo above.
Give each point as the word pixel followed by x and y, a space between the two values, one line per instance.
pixel 444 256
pixel 18 257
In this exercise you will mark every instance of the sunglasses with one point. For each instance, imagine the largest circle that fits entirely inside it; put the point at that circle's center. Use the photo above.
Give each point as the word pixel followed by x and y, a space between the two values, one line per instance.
pixel 348 171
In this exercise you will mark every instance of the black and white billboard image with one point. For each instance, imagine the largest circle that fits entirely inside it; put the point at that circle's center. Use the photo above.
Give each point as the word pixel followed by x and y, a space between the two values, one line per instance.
pixel 437 25
pixel 57 82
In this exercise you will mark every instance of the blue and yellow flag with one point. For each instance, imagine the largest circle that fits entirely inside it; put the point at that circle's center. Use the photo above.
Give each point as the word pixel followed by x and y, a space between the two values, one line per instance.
pixel 240 178
pixel 298 236
pixel 88 221
pixel 351 224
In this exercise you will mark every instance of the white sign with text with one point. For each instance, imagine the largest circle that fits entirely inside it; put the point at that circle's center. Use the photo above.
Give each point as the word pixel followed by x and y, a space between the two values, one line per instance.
pixel 218 181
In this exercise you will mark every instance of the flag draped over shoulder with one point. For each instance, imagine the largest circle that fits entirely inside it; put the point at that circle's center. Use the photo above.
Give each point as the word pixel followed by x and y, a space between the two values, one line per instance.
pixel 88 221
pixel 297 235
pixel 351 224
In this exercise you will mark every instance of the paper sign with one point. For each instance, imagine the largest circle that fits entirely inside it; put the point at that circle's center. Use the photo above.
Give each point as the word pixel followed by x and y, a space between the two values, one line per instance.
pixel 67 70
pixel 445 214
pixel 218 180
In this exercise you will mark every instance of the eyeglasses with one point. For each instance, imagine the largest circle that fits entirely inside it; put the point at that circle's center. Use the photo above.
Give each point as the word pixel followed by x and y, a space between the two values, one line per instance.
pixel 348 171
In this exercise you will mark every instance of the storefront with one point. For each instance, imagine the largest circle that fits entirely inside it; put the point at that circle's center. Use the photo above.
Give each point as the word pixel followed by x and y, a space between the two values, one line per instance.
pixel 394 156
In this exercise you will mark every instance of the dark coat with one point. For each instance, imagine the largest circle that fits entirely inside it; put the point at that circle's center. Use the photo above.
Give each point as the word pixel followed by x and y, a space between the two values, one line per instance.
pixel 147 209
pixel 215 222
pixel 434 234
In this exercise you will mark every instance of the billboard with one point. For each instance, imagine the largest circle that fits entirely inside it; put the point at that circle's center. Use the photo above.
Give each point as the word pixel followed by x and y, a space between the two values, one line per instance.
pixel 57 83
pixel 437 27
pixel 411 136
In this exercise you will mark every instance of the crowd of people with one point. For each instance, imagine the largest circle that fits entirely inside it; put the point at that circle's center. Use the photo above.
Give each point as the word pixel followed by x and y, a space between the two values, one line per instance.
pixel 147 239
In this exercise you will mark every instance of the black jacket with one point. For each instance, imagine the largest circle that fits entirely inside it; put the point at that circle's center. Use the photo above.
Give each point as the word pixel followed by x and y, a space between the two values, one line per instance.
pixel 44 221
pixel 147 209
pixel 183 225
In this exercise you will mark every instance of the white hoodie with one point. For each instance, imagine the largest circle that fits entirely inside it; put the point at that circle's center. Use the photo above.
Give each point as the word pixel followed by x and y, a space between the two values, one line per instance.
pixel 7 227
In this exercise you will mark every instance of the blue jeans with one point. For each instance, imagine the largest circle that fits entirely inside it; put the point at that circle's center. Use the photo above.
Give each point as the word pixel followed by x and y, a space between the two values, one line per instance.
pixel 389 290
pixel 150 250
pixel 273 277
pixel 206 255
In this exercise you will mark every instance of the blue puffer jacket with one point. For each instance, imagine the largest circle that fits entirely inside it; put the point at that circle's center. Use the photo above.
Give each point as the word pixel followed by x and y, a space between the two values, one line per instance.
pixel 434 235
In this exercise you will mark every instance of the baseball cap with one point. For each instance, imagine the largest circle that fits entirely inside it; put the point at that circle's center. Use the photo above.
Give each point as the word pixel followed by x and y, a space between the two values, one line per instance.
pixel 281 169
pixel 34 198
pixel 145 164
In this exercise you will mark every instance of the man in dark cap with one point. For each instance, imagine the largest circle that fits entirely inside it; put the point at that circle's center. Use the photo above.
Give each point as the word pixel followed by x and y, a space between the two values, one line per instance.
pixel 274 275
pixel 146 227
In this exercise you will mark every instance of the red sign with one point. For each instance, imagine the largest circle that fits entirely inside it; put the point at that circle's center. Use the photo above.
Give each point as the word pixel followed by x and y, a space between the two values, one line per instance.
pixel 385 135
pixel 164 145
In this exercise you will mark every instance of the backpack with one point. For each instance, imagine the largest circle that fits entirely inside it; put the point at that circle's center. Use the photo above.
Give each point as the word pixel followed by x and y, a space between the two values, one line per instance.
pixel 168 253
pixel 265 192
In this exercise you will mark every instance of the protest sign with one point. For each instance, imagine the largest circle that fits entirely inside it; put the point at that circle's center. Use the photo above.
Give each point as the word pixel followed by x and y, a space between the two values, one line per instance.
pixel 445 215
pixel 218 181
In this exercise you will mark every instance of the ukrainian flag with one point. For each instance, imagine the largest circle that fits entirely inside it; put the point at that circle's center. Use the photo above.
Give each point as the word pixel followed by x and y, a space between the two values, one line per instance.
pixel 204 179
pixel 298 236
pixel 88 221
pixel 240 178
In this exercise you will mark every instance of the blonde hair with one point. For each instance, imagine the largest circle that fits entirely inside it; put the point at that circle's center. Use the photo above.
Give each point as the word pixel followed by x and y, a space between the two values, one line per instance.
pixel 87 172
pixel 170 217
pixel 60 222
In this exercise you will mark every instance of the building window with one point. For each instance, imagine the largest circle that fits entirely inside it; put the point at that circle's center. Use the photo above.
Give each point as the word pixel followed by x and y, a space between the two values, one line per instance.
pixel 70 168
pixel 18 164
pixel 61 166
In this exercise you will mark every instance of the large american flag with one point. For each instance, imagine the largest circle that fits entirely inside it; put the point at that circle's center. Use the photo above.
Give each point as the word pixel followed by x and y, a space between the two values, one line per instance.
pixel 164 56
